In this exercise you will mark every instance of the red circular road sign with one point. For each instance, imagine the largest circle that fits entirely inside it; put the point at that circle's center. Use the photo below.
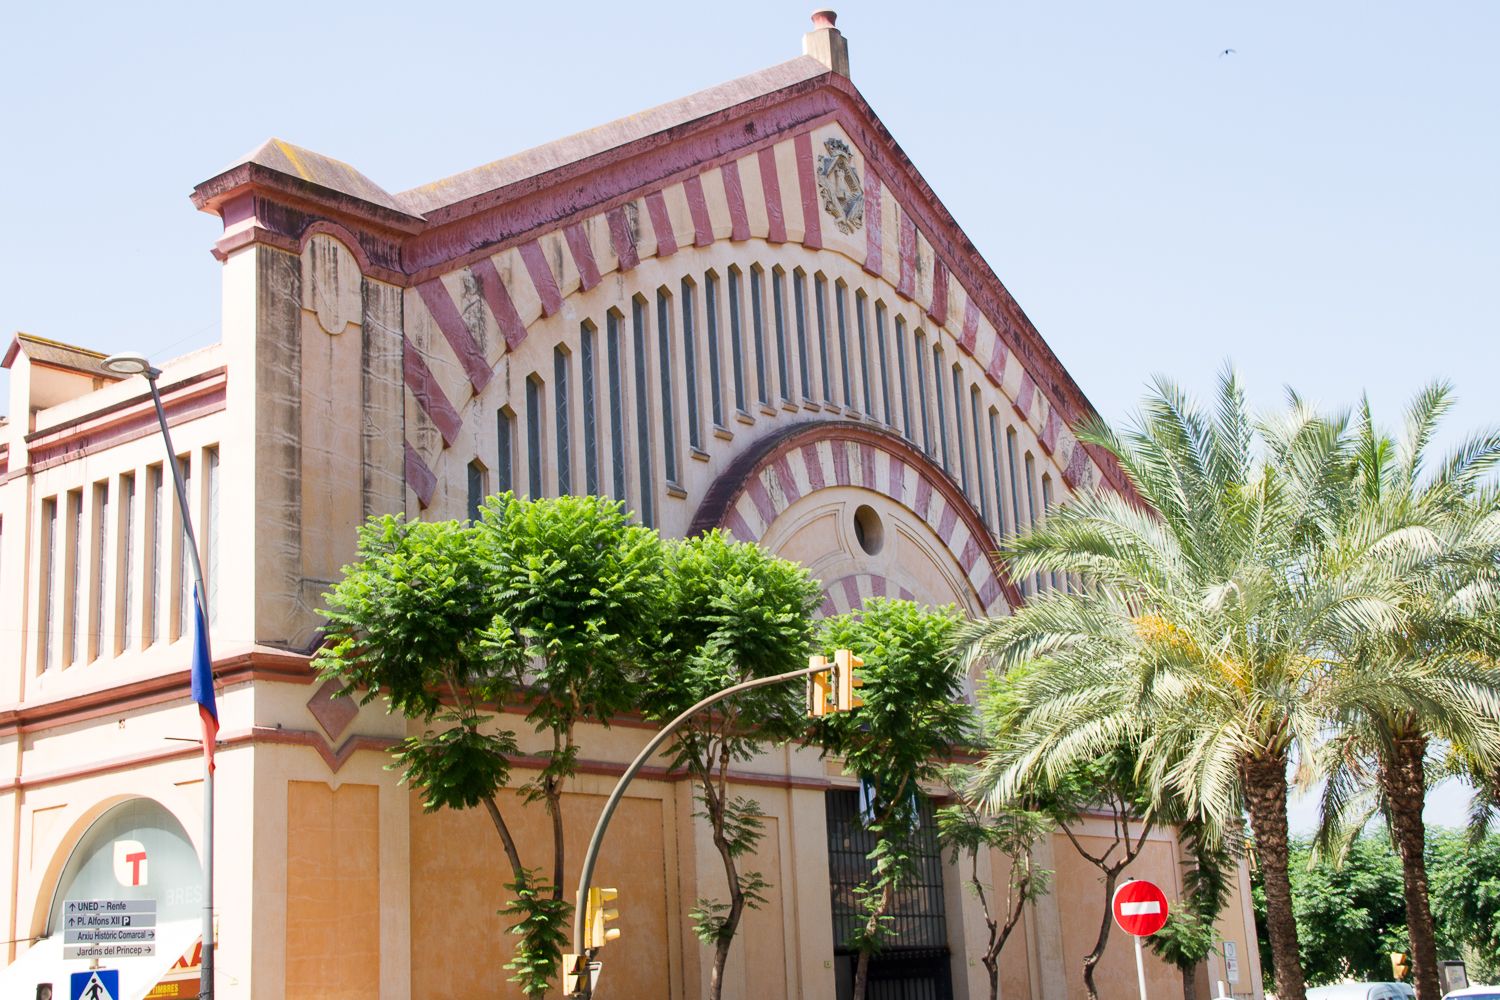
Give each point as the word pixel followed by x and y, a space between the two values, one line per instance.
pixel 1140 908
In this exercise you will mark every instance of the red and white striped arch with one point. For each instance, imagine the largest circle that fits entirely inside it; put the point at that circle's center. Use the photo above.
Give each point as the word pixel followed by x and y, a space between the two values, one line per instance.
pixel 766 481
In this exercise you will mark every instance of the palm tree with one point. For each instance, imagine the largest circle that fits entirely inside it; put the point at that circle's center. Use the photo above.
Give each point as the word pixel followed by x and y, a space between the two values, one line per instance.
pixel 1432 680
pixel 1205 626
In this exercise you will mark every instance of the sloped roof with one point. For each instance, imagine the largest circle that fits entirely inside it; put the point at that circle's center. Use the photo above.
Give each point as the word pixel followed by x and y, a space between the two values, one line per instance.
pixel 56 354
pixel 315 168
pixel 621 132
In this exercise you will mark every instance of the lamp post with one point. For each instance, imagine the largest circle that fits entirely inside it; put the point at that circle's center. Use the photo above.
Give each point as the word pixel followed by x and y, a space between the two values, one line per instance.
pixel 136 364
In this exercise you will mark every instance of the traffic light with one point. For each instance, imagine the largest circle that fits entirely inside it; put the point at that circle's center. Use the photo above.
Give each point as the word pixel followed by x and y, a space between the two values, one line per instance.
pixel 819 688
pixel 845 663
pixel 596 933
pixel 1400 965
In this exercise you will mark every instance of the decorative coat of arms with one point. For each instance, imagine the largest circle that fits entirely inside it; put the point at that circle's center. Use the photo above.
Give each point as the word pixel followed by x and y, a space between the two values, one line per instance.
pixel 843 195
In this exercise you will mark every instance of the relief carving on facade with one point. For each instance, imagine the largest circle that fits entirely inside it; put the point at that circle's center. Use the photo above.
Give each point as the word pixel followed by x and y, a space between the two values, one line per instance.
pixel 838 182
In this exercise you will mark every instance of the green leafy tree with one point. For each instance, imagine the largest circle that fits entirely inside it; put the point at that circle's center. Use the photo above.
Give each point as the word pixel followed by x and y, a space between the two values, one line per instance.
pixel 968 830
pixel 1108 785
pixel 1429 680
pixel 1203 634
pixel 732 613
pixel 1190 934
pixel 552 601
pixel 1466 900
pixel 911 716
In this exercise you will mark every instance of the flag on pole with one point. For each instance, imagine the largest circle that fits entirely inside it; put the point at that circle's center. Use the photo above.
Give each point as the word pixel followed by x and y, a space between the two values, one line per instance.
pixel 203 680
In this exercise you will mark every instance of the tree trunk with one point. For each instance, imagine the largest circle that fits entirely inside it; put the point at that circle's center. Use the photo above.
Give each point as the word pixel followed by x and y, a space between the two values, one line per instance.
pixel 1264 780
pixel 1405 785
pixel 1190 982
pixel 1091 960
pixel 862 966
pixel 992 966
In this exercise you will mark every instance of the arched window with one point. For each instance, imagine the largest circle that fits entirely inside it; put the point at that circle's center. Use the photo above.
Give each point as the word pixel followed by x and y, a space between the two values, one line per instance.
pixel 614 348
pixel 643 435
pixel 562 426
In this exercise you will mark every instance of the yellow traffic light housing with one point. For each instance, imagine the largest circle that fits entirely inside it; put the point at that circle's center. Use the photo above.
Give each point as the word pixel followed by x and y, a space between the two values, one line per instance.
pixel 1400 965
pixel 845 664
pixel 596 932
pixel 819 688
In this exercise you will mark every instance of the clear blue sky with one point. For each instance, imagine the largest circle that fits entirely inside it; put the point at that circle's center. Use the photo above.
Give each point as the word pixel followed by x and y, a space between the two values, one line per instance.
pixel 1322 205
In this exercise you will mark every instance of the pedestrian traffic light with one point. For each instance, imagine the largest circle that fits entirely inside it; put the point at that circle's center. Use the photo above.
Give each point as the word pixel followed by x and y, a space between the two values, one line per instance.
pixel 845 663
pixel 596 933
pixel 819 688
pixel 1400 965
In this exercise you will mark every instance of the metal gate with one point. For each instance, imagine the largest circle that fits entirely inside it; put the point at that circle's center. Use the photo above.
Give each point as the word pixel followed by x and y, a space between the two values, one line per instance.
pixel 914 963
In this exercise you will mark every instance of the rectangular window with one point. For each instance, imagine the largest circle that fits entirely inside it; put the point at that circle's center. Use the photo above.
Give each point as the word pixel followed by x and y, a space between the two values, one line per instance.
pixel 783 361
pixel 958 426
pixel 96 585
pixel 184 560
pixel 590 410
pixel 941 428
pixel 919 343
pixel 906 427
pixel 534 487
pixel 995 467
pixel 476 489
pixel 711 318
pixel 1046 510
pixel 883 372
pixel 820 312
pixel 690 366
pixel 505 450
pixel 48 658
pixel 647 482
pixel 211 530
pixel 561 425
pixel 77 545
pixel 156 511
pixel 614 346
pixel 1036 580
pixel 736 346
pixel 977 427
pixel 125 626
pixel 860 306
pixel 758 330
pixel 839 294
pixel 1015 491
pixel 799 308
pixel 664 373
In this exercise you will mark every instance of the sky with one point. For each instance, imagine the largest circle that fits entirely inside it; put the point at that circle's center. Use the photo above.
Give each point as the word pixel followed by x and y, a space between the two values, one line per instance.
pixel 1319 205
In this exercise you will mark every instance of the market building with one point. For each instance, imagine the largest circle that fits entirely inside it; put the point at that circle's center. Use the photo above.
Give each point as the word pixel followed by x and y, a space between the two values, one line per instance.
pixel 742 309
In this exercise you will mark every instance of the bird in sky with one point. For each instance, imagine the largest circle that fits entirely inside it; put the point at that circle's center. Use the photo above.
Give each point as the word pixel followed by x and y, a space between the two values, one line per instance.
pixel 1226 52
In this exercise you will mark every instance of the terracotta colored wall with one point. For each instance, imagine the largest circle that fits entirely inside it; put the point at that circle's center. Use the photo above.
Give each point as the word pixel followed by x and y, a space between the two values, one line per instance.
pixel 333 891
pixel 458 872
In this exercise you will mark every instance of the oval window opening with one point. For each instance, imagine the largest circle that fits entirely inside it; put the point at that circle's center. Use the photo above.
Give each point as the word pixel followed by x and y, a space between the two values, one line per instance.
pixel 868 530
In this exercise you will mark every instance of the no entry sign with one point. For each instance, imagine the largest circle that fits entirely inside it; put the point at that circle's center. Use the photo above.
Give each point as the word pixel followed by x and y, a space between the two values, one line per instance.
pixel 1140 908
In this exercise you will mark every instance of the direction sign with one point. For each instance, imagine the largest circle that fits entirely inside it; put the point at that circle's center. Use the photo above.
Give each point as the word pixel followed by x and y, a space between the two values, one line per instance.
pixel 1140 908
pixel 95 984
pixel 109 928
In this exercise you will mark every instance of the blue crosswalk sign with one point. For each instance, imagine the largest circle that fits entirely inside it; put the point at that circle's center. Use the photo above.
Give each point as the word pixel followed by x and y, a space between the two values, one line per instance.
pixel 95 984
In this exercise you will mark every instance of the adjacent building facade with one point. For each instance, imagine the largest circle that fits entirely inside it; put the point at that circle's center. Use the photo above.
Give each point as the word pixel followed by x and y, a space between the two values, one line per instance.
pixel 744 309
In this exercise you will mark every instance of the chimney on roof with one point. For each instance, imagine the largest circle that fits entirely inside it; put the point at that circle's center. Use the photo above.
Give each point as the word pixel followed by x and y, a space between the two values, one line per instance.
pixel 827 44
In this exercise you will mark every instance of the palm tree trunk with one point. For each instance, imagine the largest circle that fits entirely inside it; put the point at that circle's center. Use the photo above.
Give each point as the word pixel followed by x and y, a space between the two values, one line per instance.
pixel 1405 784
pixel 1264 781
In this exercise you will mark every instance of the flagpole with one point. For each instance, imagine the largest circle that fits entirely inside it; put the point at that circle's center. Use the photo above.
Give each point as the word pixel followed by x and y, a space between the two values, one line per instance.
pixel 132 364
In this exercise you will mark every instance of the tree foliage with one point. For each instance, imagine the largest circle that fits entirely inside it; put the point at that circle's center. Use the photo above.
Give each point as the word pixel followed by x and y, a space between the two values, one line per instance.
pixel 912 715
pixel 552 601
pixel 732 612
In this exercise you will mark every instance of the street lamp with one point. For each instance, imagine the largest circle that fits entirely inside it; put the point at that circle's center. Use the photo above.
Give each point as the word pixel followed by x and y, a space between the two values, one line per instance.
pixel 203 690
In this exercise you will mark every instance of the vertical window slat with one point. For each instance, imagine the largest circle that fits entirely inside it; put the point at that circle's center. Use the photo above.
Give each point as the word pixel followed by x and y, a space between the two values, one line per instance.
pixel 125 627
pixel 664 373
pixel 783 362
pixel 586 362
pixel 860 305
pixel 758 329
pixel 614 346
pixel 562 427
pixel 820 305
pixel 505 448
pixel 736 344
pixel 906 427
pixel 647 483
pixel 535 489
pixel 690 366
pixel 711 328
